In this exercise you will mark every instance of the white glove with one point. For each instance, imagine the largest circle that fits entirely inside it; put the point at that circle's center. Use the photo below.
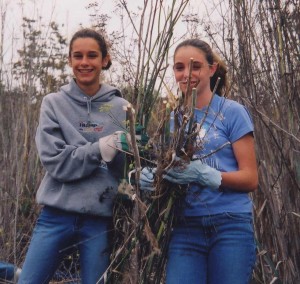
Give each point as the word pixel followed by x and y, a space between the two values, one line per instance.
pixel 111 144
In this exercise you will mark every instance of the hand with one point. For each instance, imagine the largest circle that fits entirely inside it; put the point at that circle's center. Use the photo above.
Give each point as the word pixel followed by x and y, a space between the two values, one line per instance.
pixel 111 144
pixel 147 178
pixel 196 172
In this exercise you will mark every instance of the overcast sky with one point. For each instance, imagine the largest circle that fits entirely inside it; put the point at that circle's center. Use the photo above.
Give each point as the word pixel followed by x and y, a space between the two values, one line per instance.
pixel 71 13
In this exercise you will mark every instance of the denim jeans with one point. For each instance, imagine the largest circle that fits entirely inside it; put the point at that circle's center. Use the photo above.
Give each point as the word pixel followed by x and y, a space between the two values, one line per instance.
pixel 56 231
pixel 7 271
pixel 217 249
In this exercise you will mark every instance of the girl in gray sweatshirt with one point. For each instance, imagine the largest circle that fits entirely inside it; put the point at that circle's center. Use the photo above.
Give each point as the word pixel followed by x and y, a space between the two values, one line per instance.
pixel 79 186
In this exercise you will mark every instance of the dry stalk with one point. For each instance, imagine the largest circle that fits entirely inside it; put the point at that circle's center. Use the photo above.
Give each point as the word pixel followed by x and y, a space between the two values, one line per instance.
pixel 134 258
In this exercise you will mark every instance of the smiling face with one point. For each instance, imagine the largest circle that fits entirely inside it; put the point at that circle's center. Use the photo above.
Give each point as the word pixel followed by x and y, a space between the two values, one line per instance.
pixel 87 62
pixel 201 70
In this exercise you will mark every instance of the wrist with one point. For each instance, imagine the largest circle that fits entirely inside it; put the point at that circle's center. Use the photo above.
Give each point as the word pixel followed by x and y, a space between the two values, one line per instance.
pixel 210 177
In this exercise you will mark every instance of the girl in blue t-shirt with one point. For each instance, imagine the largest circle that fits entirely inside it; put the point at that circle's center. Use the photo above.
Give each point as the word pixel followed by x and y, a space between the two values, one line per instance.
pixel 213 239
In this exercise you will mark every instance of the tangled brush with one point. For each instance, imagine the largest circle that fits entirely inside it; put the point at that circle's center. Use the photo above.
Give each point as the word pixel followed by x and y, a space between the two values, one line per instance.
pixel 143 220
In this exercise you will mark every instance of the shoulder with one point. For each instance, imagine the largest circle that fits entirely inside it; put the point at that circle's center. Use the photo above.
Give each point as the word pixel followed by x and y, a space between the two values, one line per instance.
pixel 52 96
pixel 236 118
pixel 122 101
pixel 52 99
pixel 230 108
pixel 117 97
pixel 227 104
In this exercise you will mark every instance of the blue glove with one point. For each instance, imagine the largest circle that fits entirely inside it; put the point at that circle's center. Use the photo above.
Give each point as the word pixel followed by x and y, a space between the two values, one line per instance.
pixel 195 172
pixel 147 178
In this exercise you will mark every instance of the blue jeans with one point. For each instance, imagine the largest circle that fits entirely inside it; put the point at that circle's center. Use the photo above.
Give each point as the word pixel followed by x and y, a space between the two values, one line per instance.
pixel 7 271
pixel 56 231
pixel 217 249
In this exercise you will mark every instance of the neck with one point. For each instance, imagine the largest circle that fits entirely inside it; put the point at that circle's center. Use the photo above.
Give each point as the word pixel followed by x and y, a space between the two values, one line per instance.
pixel 89 90
pixel 203 100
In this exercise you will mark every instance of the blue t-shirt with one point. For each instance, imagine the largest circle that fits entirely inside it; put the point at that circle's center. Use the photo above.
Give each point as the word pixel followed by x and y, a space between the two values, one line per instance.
pixel 226 122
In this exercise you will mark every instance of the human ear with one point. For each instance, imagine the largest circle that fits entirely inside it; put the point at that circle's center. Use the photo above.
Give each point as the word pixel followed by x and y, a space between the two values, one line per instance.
pixel 105 60
pixel 213 68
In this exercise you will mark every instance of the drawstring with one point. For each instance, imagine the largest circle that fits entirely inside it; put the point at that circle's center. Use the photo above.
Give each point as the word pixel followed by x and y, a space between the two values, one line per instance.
pixel 89 105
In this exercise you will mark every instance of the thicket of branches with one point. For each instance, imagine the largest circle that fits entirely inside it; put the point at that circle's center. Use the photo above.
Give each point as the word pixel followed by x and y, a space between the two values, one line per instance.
pixel 262 47
pixel 260 42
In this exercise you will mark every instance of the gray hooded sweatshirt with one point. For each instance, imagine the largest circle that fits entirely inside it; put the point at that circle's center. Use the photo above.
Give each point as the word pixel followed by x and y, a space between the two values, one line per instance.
pixel 70 125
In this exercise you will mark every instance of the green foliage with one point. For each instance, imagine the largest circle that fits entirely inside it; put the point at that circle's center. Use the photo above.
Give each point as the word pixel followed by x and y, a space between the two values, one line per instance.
pixel 41 67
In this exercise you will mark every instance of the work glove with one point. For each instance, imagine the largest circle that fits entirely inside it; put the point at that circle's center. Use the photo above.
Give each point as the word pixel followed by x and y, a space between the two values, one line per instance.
pixel 147 178
pixel 194 172
pixel 110 145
